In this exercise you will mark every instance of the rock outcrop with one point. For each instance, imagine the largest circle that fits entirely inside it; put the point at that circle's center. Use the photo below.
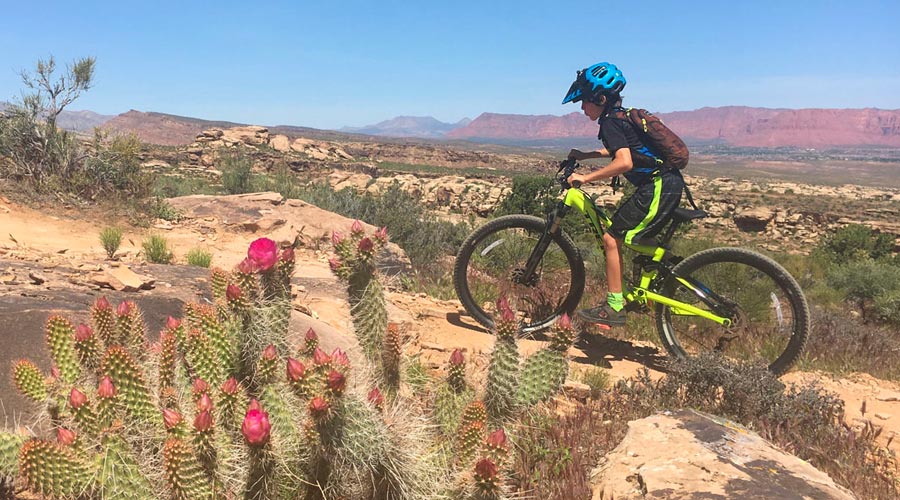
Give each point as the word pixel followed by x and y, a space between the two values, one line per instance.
pixel 691 455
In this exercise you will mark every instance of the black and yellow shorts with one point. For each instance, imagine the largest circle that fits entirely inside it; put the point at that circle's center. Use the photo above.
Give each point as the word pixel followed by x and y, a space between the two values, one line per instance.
pixel 643 215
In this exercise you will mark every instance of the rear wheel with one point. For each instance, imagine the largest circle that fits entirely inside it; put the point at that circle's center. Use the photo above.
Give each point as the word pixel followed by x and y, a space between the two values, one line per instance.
pixel 491 264
pixel 769 313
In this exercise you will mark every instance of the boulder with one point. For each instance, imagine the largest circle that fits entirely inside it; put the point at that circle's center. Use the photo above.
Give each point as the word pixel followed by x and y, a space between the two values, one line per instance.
pixel 753 219
pixel 690 455
pixel 280 143
pixel 123 279
pixel 251 134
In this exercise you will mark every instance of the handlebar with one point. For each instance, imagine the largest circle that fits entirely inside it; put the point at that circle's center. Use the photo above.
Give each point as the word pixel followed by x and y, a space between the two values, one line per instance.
pixel 566 168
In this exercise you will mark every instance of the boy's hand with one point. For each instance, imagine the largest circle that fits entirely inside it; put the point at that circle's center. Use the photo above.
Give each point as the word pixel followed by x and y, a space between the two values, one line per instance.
pixel 575 180
pixel 577 154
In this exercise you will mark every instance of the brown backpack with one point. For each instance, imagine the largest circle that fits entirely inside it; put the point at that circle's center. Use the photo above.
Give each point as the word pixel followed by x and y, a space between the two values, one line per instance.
pixel 656 136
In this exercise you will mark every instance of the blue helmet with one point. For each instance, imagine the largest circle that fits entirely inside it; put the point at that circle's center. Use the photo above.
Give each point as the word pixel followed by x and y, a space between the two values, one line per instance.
pixel 594 81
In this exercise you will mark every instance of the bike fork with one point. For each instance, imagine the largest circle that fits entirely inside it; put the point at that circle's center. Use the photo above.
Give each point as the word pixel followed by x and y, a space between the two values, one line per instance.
pixel 550 230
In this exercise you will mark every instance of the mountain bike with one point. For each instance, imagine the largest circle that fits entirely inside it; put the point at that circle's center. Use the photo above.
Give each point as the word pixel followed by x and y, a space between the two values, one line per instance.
pixel 731 300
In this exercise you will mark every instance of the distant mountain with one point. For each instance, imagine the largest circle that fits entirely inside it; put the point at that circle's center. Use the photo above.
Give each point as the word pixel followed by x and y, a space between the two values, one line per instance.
pixel 161 128
pixel 409 126
pixel 76 121
pixel 732 125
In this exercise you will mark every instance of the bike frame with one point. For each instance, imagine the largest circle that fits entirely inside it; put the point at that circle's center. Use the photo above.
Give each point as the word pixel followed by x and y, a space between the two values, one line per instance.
pixel 642 292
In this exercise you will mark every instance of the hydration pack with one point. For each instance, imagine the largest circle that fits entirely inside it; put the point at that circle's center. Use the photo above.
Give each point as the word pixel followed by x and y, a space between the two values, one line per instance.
pixel 656 136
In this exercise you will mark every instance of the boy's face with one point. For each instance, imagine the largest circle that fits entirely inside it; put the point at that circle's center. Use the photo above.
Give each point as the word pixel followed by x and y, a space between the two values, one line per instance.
pixel 591 110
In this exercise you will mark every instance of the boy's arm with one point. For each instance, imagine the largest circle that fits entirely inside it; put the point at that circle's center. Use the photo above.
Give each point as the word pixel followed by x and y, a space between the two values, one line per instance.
pixel 587 155
pixel 620 164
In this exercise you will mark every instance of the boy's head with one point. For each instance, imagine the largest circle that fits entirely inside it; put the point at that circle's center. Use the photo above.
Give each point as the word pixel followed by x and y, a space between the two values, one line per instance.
pixel 599 84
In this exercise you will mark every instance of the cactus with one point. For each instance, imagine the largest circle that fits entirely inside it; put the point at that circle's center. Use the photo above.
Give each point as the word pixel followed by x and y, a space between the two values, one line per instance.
pixel 129 380
pixel 30 381
pixel 61 343
pixel 221 342
pixel 53 470
pixel 453 396
pixel 500 391
pixel 184 474
pixel 168 360
pixel 87 346
pixel 10 445
pixel 219 283
pixel 487 480
pixel 104 320
pixel 119 474
pixel 390 358
pixel 130 328
pixel 310 342
pixel 202 357
pixel 545 371
pixel 456 371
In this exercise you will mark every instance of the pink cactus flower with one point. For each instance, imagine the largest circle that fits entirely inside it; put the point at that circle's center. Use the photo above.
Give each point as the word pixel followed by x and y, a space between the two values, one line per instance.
pixel 365 245
pixel 311 336
pixel 263 252
pixel 320 358
pixel 124 308
pixel 230 386
pixel 319 407
pixel 204 403
pixel 496 440
pixel 171 418
pixel 336 238
pixel 336 381
pixel 486 469
pixel 256 427
pixel 457 358
pixel 233 292
pixel 295 370
pixel 203 422
pixel 173 323
pixel 269 353
pixel 106 389
pixel 247 266
pixel 565 322
pixel 287 255
pixel 83 332
pixel 356 227
pixel 102 304
pixel 65 437
pixel 375 397
pixel 340 358
pixel 382 235
pixel 200 386
pixel 77 399
pixel 334 263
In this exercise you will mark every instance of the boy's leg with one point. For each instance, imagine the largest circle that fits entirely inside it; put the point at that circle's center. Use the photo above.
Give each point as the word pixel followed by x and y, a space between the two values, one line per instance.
pixel 611 313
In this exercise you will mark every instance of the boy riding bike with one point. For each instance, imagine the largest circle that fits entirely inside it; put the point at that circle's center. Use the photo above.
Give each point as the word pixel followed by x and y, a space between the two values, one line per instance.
pixel 659 186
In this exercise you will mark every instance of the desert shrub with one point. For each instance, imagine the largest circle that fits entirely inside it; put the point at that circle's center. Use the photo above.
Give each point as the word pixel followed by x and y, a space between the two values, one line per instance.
pixel 237 177
pixel 156 250
pixel 596 378
pixel 531 195
pixel 159 208
pixel 864 282
pixel 114 167
pixel 855 242
pixel 198 257
pixel 171 186
pixel 283 181
pixel 841 344
pixel 887 307
pixel 111 238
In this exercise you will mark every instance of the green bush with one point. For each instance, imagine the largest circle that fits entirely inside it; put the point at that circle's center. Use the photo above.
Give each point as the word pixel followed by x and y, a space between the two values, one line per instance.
pixel 156 250
pixel 159 208
pixel 111 238
pixel 864 282
pixel 530 195
pixel 855 242
pixel 199 257
pixel 237 176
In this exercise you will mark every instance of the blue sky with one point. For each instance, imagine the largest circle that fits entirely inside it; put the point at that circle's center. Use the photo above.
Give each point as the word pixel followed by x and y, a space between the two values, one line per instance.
pixel 330 64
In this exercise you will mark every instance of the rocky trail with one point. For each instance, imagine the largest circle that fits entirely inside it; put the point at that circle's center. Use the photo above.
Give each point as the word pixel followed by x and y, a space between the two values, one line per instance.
pixel 54 263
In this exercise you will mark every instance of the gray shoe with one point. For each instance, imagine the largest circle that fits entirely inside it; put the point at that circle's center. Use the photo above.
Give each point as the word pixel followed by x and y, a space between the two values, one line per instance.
pixel 603 315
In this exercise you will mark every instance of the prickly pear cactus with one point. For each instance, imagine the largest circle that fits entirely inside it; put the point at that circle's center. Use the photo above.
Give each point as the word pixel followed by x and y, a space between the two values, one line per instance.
pixel 503 371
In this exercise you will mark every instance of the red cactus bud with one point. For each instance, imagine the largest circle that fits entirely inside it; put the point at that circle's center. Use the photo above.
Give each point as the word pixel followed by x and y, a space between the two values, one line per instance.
pixel 173 323
pixel 365 245
pixel 200 386
pixel 203 421
pixel 336 381
pixel 287 255
pixel 457 358
pixel 124 308
pixel 503 304
pixel 334 263
pixel 254 405
pixel 230 386
pixel 77 399
pixel 486 469
pixel 356 227
pixel 247 266
pixel 319 407
pixel 263 252
pixel 507 314
pixel 233 292
pixel 311 336
pixel 83 332
pixel 65 437
pixel 381 235
pixel 375 397
pixel 106 389
pixel 204 403
pixel 565 321
pixel 54 372
pixel 102 303
pixel 340 358
pixel 336 238
pixel 295 370
pixel 256 427
pixel 496 439
pixel 269 353
pixel 171 418
pixel 320 358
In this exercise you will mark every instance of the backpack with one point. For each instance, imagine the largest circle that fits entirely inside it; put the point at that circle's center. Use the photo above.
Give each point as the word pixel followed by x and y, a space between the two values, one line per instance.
pixel 656 136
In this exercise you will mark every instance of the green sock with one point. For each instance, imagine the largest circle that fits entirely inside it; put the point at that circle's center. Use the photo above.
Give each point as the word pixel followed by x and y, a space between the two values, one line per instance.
pixel 615 300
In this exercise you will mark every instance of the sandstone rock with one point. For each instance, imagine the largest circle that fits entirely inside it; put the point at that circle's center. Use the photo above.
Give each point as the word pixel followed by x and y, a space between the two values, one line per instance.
pixel 37 278
pixel 123 279
pixel 252 135
pixel 280 143
pixel 576 390
pixel 753 219
pixel 692 455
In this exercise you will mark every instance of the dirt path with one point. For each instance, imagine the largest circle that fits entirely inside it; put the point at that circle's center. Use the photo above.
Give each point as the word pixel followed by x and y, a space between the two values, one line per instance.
pixel 436 327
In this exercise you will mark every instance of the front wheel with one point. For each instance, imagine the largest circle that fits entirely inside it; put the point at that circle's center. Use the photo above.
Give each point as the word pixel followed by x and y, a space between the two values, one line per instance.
pixel 491 264
pixel 768 311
